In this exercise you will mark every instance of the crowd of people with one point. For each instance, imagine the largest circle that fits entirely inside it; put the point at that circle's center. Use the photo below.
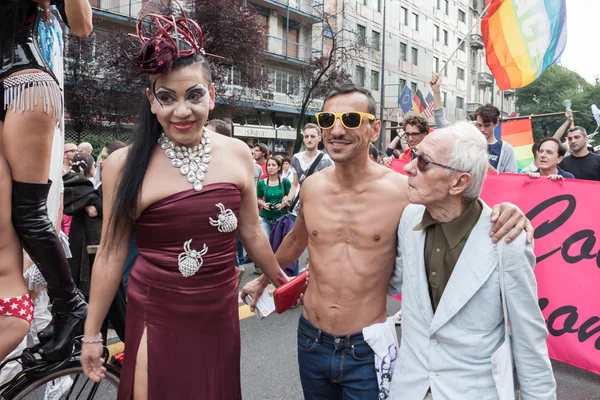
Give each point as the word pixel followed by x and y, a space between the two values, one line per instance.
pixel 176 214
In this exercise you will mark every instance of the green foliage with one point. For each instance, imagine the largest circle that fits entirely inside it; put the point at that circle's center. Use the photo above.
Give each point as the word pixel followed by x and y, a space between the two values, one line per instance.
pixel 546 95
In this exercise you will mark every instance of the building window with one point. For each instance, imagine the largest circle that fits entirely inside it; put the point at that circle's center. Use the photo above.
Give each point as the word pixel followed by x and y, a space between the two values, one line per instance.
pixel 446 7
pixel 436 64
pixel 375 40
pixel 444 99
pixel 415 56
pixel 445 69
pixel 360 76
pixel 361 33
pixel 404 15
pixel 285 82
pixel 438 4
pixel 436 32
pixel 413 88
pixel 402 84
pixel 462 16
pixel 445 37
pixel 403 51
pixel 237 77
pixel 461 44
pixel 374 80
pixel 460 102
pixel 460 74
pixel 415 21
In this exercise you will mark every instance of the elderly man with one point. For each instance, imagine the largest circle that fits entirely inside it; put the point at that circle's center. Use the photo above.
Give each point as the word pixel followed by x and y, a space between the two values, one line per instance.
pixel 449 279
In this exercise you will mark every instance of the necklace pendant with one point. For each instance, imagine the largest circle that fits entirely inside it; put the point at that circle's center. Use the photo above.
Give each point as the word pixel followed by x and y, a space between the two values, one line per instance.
pixel 192 162
pixel 191 177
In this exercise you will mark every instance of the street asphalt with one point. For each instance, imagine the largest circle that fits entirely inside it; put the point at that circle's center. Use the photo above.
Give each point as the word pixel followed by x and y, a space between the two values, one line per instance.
pixel 270 364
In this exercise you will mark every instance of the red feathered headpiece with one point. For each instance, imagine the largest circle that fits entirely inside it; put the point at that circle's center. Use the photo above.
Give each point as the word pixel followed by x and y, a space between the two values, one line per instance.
pixel 175 38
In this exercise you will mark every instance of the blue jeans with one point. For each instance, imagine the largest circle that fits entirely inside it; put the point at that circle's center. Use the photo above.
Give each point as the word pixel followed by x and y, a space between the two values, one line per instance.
pixel 267 225
pixel 335 367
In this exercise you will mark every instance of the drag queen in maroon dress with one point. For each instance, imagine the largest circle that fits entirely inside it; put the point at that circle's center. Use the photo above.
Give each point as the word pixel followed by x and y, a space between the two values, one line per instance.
pixel 187 191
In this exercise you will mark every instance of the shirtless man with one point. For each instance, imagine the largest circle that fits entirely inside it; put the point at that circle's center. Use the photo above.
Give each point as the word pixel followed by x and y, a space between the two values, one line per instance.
pixel 348 219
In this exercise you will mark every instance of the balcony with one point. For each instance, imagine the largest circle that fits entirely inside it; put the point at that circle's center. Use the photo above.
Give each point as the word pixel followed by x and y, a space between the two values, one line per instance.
pixel 485 79
pixel 471 107
pixel 476 41
pixel 124 8
pixel 282 49
pixel 509 92
pixel 303 11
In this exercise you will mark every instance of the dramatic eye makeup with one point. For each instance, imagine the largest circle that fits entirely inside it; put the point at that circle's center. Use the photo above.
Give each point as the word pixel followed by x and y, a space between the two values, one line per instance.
pixel 196 93
pixel 165 96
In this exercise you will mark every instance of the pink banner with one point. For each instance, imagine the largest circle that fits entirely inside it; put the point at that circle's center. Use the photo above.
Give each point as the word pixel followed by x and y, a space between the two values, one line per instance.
pixel 566 217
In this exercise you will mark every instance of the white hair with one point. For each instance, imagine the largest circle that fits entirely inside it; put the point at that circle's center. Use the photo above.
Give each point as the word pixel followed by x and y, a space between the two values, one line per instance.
pixel 469 154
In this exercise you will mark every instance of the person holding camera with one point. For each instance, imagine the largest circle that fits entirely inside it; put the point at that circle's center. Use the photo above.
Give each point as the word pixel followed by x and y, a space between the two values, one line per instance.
pixel 272 197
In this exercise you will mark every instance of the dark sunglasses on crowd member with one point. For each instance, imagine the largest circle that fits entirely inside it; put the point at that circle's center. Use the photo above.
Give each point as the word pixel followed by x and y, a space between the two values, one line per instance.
pixel 423 161
pixel 350 120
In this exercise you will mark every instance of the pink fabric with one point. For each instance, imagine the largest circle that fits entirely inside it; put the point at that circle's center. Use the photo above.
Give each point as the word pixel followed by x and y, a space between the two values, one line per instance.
pixel 65 224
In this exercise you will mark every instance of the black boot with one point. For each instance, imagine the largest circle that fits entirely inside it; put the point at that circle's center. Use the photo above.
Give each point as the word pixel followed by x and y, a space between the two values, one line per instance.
pixel 39 239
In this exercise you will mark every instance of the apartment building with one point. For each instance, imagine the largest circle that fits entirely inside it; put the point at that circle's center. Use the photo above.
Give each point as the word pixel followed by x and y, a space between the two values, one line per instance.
pixel 294 36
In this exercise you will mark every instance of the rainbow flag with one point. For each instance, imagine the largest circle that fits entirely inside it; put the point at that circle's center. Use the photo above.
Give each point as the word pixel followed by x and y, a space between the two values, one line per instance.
pixel 523 38
pixel 519 134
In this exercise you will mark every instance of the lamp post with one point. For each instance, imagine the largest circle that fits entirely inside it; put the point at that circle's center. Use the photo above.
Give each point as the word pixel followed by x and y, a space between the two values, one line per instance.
pixel 382 85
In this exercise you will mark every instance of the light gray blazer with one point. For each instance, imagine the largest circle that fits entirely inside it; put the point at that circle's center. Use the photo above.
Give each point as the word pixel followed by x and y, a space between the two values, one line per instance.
pixel 450 351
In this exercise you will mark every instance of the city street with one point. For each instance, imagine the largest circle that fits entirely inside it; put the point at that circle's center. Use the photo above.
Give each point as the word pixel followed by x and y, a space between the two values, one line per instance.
pixel 270 368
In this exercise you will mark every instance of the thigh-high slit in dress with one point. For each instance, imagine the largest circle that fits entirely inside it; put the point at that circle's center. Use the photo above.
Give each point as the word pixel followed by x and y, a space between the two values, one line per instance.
pixel 192 322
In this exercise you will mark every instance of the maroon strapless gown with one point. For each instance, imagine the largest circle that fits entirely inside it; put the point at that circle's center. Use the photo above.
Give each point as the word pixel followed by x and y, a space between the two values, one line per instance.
pixel 192 323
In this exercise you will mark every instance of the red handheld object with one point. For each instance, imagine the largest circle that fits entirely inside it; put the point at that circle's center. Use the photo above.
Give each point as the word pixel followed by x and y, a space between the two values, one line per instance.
pixel 287 295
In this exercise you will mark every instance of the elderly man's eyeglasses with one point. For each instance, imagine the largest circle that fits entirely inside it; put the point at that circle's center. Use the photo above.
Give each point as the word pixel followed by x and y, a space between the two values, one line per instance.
pixel 350 120
pixel 423 162
pixel 72 151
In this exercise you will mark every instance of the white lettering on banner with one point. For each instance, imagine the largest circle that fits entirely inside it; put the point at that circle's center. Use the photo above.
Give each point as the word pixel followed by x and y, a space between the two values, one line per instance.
pixel 255 132
pixel 524 6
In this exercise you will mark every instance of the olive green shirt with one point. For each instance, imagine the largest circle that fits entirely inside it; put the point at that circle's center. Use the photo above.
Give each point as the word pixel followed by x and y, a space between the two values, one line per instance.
pixel 443 245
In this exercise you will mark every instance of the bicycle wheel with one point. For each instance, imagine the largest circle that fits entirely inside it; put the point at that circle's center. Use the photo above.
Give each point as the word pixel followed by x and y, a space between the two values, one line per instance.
pixel 68 383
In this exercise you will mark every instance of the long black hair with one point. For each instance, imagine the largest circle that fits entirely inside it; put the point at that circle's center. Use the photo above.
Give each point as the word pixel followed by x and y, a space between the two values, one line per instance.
pixel 126 203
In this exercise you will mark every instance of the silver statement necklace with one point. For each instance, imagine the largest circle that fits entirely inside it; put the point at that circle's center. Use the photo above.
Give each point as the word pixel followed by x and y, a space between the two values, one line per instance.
pixel 191 161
